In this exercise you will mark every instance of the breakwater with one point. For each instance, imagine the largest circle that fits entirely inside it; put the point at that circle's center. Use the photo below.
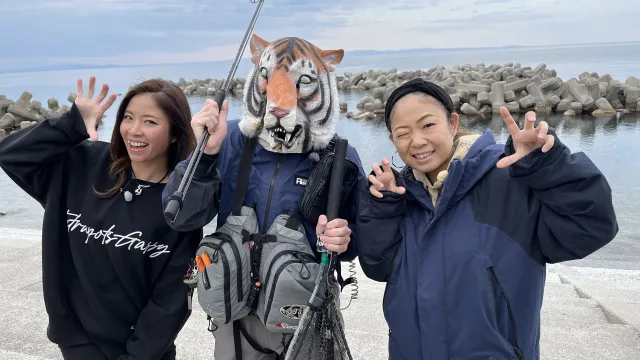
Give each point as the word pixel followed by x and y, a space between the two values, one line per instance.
pixel 480 90
pixel 475 90
pixel 24 111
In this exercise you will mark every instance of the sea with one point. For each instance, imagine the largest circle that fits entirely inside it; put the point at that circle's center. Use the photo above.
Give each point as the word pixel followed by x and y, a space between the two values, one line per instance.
pixel 612 143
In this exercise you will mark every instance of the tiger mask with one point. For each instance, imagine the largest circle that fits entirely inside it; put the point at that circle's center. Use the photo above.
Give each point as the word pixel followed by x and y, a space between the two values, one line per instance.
pixel 290 98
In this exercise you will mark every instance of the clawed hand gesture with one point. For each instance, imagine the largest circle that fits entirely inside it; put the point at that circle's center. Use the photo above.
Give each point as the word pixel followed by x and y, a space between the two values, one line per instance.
pixel 92 110
pixel 383 180
pixel 527 139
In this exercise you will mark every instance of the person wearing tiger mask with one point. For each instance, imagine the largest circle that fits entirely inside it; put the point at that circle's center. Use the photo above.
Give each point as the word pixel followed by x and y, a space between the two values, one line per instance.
pixel 291 105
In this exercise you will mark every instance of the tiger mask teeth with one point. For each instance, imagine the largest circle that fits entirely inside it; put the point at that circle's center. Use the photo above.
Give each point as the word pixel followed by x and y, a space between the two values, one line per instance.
pixel 280 136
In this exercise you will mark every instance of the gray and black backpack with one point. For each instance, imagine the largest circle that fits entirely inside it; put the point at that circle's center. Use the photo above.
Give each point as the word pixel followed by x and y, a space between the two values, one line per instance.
pixel 224 286
pixel 272 274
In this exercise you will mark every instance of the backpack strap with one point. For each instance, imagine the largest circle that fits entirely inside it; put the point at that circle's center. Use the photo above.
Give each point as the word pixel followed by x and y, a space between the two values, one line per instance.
pixel 332 144
pixel 295 219
pixel 244 171
pixel 239 329
pixel 237 342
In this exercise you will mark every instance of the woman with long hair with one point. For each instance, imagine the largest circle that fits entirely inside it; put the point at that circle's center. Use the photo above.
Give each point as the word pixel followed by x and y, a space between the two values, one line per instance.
pixel 112 268
pixel 463 233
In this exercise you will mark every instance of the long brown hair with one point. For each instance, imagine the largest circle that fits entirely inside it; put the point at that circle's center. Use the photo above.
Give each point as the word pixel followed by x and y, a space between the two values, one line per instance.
pixel 176 108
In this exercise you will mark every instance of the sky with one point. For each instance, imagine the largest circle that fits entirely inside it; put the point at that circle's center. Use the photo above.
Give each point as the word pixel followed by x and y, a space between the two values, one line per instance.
pixel 135 32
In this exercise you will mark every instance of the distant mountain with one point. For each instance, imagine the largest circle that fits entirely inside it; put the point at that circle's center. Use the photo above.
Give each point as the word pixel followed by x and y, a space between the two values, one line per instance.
pixel 423 50
pixel 62 67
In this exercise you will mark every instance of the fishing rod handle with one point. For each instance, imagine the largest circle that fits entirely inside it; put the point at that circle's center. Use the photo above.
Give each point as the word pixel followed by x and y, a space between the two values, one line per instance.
pixel 335 189
pixel 337 175
pixel 173 206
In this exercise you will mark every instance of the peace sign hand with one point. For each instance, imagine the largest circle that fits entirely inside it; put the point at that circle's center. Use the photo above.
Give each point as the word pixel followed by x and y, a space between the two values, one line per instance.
pixel 383 180
pixel 91 110
pixel 527 139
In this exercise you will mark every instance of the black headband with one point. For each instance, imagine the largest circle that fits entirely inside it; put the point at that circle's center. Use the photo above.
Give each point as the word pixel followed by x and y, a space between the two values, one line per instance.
pixel 417 85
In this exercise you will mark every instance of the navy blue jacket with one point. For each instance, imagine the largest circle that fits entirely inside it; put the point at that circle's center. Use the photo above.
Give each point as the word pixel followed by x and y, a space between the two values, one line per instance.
pixel 465 279
pixel 272 190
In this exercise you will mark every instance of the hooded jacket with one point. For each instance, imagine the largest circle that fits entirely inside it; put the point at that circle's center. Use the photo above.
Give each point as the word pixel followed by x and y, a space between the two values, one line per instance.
pixel 465 267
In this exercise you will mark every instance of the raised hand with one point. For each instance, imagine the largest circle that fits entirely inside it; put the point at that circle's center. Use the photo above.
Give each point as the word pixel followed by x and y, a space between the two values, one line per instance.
pixel 92 110
pixel 527 139
pixel 215 121
pixel 383 180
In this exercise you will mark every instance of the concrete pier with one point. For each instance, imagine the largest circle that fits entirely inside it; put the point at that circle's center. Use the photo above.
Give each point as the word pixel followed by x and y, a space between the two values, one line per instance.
pixel 587 313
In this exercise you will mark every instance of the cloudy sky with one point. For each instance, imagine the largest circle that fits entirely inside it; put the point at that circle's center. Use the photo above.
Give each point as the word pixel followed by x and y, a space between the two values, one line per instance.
pixel 50 32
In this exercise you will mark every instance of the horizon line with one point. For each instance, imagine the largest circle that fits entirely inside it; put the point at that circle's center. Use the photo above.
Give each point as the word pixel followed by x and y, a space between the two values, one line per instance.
pixel 355 53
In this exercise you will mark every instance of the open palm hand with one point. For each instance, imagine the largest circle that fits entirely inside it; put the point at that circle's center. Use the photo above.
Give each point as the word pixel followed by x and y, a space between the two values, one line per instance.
pixel 92 110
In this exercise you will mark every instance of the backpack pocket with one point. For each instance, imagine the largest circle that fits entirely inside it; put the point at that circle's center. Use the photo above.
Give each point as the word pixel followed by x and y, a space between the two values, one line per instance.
pixel 288 272
pixel 289 282
pixel 224 284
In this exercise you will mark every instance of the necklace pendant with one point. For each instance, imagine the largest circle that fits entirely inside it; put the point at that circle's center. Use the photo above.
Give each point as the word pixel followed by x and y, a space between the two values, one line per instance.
pixel 138 190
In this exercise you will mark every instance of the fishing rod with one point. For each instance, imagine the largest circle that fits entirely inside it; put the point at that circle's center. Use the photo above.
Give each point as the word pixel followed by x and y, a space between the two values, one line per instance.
pixel 319 334
pixel 175 201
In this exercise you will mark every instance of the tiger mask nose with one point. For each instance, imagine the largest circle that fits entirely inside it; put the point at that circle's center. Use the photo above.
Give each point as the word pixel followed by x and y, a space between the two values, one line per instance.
pixel 279 112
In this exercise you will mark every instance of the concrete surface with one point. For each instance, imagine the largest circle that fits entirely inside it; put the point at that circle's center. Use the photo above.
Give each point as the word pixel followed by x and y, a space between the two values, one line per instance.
pixel 587 313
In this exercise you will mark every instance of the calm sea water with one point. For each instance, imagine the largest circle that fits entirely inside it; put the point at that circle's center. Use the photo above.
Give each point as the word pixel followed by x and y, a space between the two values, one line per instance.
pixel 612 144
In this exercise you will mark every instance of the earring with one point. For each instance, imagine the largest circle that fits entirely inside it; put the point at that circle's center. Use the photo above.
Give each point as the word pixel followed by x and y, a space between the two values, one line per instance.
pixel 392 161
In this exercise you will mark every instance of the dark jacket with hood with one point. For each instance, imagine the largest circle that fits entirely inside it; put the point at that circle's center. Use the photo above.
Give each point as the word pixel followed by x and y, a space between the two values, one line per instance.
pixel 465 277
pixel 276 185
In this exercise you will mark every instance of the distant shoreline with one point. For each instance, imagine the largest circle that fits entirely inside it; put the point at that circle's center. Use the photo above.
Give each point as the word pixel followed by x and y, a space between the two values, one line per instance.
pixel 354 53
pixel 476 90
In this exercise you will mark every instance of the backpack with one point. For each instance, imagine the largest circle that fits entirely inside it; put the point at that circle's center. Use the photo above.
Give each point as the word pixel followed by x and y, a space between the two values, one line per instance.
pixel 271 274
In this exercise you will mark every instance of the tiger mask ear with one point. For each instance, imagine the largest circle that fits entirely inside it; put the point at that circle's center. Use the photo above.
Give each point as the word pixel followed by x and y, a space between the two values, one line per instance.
pixel 332 58
pixel 257 46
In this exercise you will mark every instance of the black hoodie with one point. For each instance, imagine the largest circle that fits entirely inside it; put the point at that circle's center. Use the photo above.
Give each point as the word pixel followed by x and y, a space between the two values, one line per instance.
pixel 112 271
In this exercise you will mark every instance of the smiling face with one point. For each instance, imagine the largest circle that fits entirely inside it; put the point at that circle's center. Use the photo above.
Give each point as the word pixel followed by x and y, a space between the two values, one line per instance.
pixel 423 133
pixel 290 96
pixel 145 130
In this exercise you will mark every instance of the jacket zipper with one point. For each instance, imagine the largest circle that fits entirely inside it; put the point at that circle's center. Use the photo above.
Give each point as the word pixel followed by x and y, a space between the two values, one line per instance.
pixel 492 273
pixel 227 285
pixel 268 207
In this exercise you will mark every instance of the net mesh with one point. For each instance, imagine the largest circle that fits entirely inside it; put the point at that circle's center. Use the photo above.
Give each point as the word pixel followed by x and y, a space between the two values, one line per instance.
pixel 321 334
